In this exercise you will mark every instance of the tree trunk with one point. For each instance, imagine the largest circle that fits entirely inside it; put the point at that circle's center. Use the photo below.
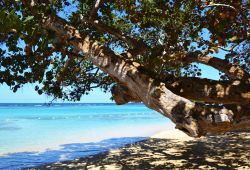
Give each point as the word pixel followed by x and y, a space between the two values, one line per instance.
pixel 192 118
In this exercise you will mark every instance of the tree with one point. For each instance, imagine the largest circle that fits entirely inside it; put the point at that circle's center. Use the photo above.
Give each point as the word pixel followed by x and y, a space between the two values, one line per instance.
pixel 142 51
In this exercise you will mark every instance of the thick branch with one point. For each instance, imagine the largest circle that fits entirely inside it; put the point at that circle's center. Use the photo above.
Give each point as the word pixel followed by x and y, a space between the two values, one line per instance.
pixel 122 95
pixel 226 92
pixel 205 90
pixel 217 63
pixel 212 118
pixel 220 119
pixel 188 117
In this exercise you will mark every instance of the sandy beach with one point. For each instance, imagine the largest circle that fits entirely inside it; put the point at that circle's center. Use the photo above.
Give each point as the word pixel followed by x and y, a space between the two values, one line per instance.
pixel 171 150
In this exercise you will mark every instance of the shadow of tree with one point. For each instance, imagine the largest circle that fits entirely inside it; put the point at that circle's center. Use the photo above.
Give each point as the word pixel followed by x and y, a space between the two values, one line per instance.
pixel 228 151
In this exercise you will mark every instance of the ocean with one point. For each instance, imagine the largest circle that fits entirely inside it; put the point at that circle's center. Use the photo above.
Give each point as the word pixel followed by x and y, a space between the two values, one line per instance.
pixel 35 134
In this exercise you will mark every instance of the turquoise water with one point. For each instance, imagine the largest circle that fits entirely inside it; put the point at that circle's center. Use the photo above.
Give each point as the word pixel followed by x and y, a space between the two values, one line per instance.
pixel 33 134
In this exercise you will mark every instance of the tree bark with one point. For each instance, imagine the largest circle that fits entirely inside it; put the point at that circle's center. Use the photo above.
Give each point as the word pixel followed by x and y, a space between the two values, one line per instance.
pixel 203 90
pixel 194 119
pixel 210 91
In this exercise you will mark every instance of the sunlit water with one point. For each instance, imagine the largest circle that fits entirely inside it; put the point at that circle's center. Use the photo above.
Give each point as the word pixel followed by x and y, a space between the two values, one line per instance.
pixel 34 134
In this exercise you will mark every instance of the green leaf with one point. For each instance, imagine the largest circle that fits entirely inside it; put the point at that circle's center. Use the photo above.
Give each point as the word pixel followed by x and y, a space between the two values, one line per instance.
pixel 28 18
pixel 234 38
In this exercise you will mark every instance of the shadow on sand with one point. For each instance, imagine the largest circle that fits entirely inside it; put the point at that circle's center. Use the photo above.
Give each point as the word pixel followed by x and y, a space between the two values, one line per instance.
pixel 228 151
pixel 16 161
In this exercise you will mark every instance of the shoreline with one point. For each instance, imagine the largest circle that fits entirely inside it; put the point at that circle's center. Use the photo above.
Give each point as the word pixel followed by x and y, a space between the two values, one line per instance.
pixel 57 145
pixel 170 149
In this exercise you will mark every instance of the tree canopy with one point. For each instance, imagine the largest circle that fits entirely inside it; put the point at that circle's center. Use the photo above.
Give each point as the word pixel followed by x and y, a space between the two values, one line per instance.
pixel 141 50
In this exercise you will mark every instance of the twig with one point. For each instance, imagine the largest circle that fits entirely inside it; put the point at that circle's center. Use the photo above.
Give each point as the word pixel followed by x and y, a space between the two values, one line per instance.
pixel 97 70
pixel 229 50
pixel 50 102
pixel 220 5
pixel 95 9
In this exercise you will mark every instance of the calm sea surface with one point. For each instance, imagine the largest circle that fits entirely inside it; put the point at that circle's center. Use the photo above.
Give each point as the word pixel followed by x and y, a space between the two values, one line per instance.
pixel 34 134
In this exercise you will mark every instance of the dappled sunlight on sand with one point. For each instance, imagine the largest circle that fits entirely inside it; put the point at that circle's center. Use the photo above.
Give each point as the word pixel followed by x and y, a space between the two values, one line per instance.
pixel 228 151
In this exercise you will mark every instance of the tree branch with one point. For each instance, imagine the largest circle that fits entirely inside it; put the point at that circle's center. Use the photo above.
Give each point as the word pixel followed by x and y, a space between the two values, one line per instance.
pixel 122 95
pixel 231 49
pixel 211 91
pixel 217 63
pixel 95 8
pixel 220 5
pixel 205 90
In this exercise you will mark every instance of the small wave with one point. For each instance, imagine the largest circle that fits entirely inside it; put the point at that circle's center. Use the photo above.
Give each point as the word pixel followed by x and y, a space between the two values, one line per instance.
pixel 9 128
pixel 63 157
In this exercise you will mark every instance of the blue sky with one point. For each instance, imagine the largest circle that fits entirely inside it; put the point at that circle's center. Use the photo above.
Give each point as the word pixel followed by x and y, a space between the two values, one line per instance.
pixel 27 94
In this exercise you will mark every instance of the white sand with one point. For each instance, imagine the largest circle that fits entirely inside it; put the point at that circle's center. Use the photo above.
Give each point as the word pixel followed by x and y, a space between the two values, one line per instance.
pixel 173 134
pixel 172 149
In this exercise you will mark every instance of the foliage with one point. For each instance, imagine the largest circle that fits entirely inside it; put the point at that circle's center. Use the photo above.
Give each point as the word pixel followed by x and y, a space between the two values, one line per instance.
pixel 30 54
